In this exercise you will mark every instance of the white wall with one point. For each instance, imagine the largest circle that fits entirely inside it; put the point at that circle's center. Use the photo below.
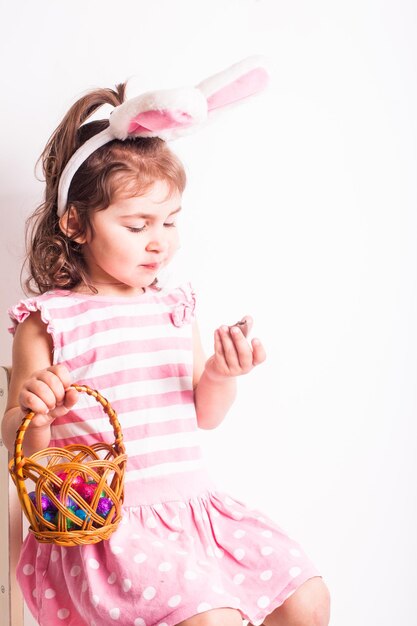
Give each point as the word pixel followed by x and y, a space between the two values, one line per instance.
pixel 301 210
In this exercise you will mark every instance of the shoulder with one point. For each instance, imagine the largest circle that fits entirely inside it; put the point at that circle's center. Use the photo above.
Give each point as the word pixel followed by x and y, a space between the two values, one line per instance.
pixel 39 304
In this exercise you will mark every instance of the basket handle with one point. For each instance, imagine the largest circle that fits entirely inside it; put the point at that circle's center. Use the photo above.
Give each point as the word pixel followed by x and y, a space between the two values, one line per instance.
pixel 108 409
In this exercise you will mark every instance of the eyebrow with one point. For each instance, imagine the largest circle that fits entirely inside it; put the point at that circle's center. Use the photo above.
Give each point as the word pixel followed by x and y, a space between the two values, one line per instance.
pixel 150 215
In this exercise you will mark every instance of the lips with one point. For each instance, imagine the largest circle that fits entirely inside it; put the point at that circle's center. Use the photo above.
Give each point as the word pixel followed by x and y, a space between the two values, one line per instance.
pixel 152 267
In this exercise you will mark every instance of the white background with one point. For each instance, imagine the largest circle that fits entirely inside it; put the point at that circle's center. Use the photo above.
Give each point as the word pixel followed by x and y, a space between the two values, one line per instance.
pixel 300 210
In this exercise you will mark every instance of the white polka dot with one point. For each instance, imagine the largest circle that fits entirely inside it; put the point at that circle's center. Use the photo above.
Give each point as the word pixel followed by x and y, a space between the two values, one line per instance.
pixel 50 593
pixel 237 516
pixel 218 590
pixel 236 601
pixel 174 601
pixel 54 555
pixel 93 563
pixel 267 550
pixel 75 570
pixel 210 551
pixel 219 553
pixel 266 533
pixel 189 574
pixel 239 553
pixel 266 575
pixel 176 521
pixel 112 578
pixel 238 579
pixel 173 536
pixel 126 584
pixel 182 552
pixel 182 505
pixel 28 569
pixel 139 622
pixel 116 549
pixel 63 613
pixel 35 593
pixel 84 586
pixel 295 571
pixel 151 522
pixel 114 613
pixel 263 602
pixel 239 534
pixel 203 606
pixel 261 519
pixel 295 552
pixel 164 566
pixel 149 593
pixel 157 544
pixel 162 624
pixel 95 600
pixel 140 557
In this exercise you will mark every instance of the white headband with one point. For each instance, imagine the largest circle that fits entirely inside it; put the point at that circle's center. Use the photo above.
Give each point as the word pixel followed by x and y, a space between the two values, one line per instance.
pixel 170 113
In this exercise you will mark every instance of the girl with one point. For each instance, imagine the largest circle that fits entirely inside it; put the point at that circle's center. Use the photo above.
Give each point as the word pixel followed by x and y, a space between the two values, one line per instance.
pixel 185 553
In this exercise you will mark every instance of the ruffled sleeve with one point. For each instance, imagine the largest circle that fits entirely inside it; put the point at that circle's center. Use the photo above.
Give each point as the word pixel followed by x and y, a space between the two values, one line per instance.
pixel 23 309
pixel 183 311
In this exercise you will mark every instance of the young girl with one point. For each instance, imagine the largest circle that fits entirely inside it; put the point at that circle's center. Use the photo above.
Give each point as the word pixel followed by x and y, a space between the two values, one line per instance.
pixel 185 553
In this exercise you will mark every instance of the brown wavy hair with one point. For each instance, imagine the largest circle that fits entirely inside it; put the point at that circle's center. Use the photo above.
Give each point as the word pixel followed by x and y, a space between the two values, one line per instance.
pixel 54 260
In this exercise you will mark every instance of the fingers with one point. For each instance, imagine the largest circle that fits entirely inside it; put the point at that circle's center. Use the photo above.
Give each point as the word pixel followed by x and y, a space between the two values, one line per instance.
pixel 245 325
pixel 46 391
pixel 259 354
pixel 233 354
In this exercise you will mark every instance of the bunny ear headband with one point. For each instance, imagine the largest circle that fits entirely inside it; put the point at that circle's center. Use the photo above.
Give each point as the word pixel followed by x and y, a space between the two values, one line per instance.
pixel 169 113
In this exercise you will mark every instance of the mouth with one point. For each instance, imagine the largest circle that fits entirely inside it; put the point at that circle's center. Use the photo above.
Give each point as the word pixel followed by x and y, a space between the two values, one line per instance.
pixel 152 267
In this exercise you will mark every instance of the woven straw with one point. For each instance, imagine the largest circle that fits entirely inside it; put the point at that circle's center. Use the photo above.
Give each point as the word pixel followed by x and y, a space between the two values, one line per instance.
pixel 100 463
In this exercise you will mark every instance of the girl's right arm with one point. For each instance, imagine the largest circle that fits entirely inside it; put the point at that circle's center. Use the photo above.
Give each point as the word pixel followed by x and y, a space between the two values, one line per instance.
pixel 35 385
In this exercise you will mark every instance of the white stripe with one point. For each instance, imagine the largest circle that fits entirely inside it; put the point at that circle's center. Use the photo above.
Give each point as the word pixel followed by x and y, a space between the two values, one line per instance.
pixel 130 361
pixel 164 469
pixel 58 301
pixel 115 336
pixel 162 443
pixel 129 419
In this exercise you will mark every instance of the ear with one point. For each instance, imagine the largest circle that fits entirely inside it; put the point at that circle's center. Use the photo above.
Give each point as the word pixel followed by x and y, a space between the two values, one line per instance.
pixel 69 224
pixel 238 82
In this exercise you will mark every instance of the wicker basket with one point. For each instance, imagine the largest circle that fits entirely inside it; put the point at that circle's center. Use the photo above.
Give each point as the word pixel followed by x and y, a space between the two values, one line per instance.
pixel 75 517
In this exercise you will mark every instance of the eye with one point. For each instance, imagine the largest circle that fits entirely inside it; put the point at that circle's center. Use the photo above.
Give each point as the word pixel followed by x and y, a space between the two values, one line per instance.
pixel 170 224
pixel 136 229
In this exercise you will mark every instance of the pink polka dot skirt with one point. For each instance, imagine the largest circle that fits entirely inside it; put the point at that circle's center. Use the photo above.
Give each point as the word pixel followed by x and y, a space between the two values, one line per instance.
pixel 165 563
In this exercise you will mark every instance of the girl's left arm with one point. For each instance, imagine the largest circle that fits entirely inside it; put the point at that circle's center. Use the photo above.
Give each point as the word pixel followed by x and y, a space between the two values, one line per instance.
pixel 215 379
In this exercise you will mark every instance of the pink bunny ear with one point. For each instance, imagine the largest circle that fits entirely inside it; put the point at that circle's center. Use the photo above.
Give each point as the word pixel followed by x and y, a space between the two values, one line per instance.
pixel 240 81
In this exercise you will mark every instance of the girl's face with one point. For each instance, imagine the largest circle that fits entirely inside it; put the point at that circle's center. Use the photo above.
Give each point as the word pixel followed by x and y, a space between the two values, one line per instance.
pixel 132 240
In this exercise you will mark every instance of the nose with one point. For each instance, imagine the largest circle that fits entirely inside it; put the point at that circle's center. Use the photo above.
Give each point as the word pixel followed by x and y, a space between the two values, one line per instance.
pixel 158 242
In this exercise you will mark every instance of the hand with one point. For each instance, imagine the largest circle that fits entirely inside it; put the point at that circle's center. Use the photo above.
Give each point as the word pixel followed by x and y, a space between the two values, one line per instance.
pixel 233 354
pixel 48 394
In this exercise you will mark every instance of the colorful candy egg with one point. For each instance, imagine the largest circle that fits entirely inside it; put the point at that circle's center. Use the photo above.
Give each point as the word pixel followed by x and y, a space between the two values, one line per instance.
pixel 87 490
pixel 104 506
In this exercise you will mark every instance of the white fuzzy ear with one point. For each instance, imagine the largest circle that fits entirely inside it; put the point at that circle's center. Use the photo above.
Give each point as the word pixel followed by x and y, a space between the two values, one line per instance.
pixel 240 81
pixel 161 113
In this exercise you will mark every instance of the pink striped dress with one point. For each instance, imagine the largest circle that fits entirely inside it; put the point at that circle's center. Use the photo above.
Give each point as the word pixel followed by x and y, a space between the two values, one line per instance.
pixel 183 547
